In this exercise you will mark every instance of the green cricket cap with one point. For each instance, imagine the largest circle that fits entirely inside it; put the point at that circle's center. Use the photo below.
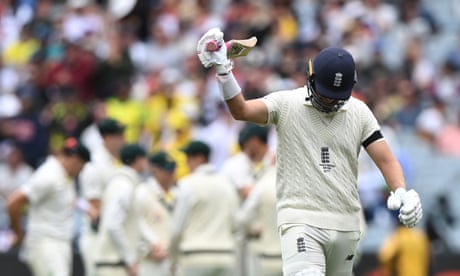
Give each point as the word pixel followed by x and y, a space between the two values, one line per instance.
pixel 162 160
pixel 197 147
pixel 130 152
pixel 110 126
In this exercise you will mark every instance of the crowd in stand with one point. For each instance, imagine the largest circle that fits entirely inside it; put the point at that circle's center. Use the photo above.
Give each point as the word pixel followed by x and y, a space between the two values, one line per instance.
pixel 65 66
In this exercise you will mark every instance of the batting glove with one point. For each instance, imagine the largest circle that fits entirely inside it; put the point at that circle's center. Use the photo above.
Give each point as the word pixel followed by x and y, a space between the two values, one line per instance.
pixel 217 58
pixel 409 205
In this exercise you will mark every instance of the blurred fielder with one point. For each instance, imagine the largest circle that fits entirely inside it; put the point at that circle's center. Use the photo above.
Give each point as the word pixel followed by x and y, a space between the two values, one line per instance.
pixel 321 129
pixel 50 195
pixel 154 204
pixel 115 251
pixel 251 163
pixel 257 216
pixel 202 240
pixel 94 178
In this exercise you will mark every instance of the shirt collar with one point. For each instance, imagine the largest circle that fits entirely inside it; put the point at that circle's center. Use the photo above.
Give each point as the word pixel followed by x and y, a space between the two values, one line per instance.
pixel 205 168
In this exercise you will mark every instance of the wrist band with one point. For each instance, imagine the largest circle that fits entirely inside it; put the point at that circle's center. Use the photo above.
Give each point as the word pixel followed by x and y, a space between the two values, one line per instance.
pixel 228 86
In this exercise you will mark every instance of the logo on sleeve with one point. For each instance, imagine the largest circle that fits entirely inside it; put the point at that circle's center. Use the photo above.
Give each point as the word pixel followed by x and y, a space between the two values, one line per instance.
pixel 325 160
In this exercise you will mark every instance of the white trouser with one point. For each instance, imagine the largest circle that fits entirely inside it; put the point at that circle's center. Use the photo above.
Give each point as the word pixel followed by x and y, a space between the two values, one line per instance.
pixel 47 256
pixel 111 271
pixel 86 245
pixel 311 251
pixel 207 264
pixel 266 265
pixel 149 267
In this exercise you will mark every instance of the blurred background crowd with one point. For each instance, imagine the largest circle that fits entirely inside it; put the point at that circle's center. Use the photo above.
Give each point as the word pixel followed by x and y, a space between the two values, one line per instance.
pixel 66 65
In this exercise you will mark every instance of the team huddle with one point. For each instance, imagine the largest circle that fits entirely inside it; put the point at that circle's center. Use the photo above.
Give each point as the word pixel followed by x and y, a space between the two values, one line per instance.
pixel 293 212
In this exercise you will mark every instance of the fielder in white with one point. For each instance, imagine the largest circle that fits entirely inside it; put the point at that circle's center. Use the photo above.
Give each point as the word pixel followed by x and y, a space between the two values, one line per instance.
pixel 257 215
pixel 321 129
pixel 94 178
pixel 202 241
pixel 153 205
pixel 115 251
pixel 50 196
pixel 251 164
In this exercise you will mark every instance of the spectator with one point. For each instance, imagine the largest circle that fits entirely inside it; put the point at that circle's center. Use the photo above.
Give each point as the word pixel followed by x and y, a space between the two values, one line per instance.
pixel 447 140
pixel 430 122
pixel 67 117
pixel 405 252
pixel 411 104
pixel 29 129
pixel 9 81
pixel 80 22
pixel 440 220
pixel 128 111
pixel 19 53
pixel 74 72
pixel 110 71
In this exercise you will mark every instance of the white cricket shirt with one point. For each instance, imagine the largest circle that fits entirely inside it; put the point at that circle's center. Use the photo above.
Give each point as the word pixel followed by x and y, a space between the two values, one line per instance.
pixel 118 229
pixel 154 215
pixel 203 217
pixel 51 194
pixel 317 159
pixel 97 173
pixel 248 172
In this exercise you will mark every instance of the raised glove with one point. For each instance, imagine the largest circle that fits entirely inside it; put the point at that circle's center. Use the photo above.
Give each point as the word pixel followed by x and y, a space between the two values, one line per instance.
pixel 218 58
pixel 409 205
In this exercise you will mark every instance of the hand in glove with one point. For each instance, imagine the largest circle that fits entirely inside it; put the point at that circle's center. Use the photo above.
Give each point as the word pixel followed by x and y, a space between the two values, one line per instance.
pixel 409 205
pixel 218 58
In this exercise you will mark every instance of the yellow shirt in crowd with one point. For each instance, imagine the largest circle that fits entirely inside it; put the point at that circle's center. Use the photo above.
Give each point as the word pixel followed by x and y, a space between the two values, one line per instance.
pixel 405 252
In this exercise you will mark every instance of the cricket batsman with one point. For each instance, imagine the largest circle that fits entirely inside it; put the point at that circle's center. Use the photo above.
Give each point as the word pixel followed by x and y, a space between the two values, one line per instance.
pixel 321 129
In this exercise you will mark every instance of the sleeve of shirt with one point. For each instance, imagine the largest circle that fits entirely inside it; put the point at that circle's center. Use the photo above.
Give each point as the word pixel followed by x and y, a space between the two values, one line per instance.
pixel 37 188
pixel 248 211
pixel 141 208
pixel 242 178
pixel 185 200
pixel 369 123
pixel 273 102
pixel 116 210
pixel 90 181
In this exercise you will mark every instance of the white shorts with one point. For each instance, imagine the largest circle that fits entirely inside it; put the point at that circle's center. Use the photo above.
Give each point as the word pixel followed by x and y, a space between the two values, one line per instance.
pixel 311 251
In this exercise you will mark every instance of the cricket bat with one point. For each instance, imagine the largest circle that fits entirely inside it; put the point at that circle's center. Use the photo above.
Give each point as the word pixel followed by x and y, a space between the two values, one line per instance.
pixel 235 47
